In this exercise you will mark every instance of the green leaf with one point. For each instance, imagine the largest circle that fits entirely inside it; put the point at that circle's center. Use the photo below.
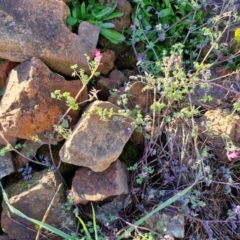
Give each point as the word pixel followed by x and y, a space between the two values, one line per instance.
pixel 113 8
pixel 106 25
pixel 99 6
pixel 84 228
pixel 83 10
pixel 165 12
pixel 114 15
pixel 75 3
pixel 71 21
pixel 112 36
pixel 104 12
pixel 94 223
pixel 76 13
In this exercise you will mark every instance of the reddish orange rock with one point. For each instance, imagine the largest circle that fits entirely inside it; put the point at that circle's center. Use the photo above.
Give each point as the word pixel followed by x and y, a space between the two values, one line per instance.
pixel 5 68
pixel 96 186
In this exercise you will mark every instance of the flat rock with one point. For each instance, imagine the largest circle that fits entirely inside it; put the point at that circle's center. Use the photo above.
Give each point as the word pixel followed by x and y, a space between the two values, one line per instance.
pixel 4 237
pixel 32 198
pixel 38 29
pixel 6 164
pixel 27 109
pixel 96 143
pixel 136 97
pixel 96 186
pixel 115 79
pixel 172 223
pixel 110 209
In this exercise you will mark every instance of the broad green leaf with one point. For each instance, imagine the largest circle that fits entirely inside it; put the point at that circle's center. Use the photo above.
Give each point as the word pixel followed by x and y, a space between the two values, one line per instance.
pixel 114 15
pixel 83 10
pixel 74 13
pixel 112 36
pixel 146 11
pixel 165 12
pixel 75 3
pixel 102 13
pixel 113 8
pixel 145 23
pixel 106 25
pixel 71 21
pixel 99 6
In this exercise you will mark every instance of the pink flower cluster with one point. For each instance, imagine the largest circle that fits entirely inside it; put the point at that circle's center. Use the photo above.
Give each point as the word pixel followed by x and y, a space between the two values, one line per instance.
pixel 97 56
pixel 233 156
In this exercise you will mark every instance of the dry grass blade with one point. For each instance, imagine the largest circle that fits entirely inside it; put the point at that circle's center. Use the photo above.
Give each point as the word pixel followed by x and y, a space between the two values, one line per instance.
pixel 47 211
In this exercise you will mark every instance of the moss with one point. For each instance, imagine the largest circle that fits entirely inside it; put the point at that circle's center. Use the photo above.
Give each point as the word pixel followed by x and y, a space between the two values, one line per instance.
pixel 2 61
pixel 22 185
pixel 130 154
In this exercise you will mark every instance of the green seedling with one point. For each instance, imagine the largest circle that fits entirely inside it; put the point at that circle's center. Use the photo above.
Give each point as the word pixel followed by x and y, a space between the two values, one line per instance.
pixel 97 14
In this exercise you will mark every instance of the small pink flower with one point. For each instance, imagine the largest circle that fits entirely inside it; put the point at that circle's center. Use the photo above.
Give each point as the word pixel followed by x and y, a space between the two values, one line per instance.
pixel 94 92
pixel 97 55
pixel 232 156
pixel 133 27
pixel 176 59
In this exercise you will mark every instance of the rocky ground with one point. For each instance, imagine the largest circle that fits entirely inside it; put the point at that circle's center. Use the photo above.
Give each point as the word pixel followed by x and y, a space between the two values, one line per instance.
pixel 43 170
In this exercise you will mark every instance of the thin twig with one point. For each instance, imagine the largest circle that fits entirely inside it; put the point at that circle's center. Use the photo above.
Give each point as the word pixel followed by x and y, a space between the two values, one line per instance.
pixel 47 211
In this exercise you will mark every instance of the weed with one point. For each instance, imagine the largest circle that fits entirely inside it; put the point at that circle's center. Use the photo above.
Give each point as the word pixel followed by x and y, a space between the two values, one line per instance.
pixel 97 14
pixel 26 171
pixel 181 47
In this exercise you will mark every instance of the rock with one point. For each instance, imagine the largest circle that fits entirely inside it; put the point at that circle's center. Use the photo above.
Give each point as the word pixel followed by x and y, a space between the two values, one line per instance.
pixel 172 223
pixel 107 61
pixel 115 79
pixel 218 126
pixel 136 97
pixel 38 29
pixel 32 198
pixel 96 186
pixel 27 109
pixel 29 150
pixel 96 143
pixel 137 138
pixel 5 67
pixel 4 237
pixel 6 165
pixel 5 139
pixel 107 210
pixel 220 95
